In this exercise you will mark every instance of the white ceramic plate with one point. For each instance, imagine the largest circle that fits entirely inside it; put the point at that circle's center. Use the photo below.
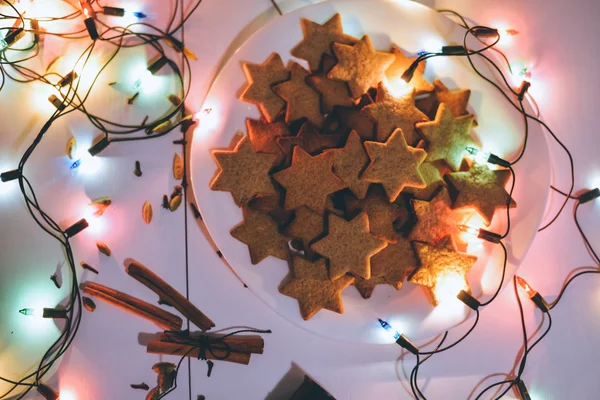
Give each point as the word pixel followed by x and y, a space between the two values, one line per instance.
pixel 413 27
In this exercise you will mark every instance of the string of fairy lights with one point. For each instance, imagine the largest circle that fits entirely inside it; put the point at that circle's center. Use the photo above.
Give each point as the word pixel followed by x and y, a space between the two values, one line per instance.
pixel 516 99
pixel 21 42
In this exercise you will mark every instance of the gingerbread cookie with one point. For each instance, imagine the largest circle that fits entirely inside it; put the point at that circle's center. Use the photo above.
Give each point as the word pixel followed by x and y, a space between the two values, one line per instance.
pixel 456 100
pixel 352 119
pixel 308 139
pixel 313 289
pixel 383 215
pixel 333 93
pixel 401 64
pixel 366 286
pixel 261 78
pixel 436 220
pixel 481 189
pixel 394 164
pixel 318 40
pixel 306 226
pixel 302 100
pixel 433 179
pixel 309 181
pixel 360 65
pixel 438 263
pixel 349 246
pixel 447 137
pixel 394 263
pixel 264 137
pixel 349 162
pixel 243 172
pixel 262 236
pixel 390 113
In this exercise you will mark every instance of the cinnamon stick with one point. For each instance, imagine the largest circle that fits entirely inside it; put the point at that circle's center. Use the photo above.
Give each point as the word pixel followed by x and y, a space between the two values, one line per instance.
pixel 160 317
pixel 240 343
pixel 169 295
pixel 178 349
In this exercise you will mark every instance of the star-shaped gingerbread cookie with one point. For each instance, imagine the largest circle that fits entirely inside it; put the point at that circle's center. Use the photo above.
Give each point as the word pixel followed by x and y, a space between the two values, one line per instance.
pixel 333 93
pixel 349 246
pixel 433 179
pixel 436 220
pixel 264 137
pixel 481 189
pixel 360 65
pixel 309 181
pixel 394 263
pixel 447 137
pixel 353 119
pixel 302 100
pixel 260 232
pixel 243 172
pixel 366 286
pixel 306 226
pixel 401 64
pixel 394 164
pixel 440 265
pixel 318 40
pixel 456 100
pixel 261 78
pixel 308 139
pixel 390 113
pixel 349 162
pixel 313 289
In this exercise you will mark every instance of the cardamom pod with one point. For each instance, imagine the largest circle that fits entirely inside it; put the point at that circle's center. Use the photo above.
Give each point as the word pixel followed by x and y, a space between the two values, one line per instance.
pixel 177 167
pixel 104 249
pixel 175 202
pixel 71 148
pixel 162 128
pixel 88 303
pixel 147 212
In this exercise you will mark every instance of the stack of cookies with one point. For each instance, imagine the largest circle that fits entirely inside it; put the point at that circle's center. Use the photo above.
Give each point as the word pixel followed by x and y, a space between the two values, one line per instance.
pixel 350 181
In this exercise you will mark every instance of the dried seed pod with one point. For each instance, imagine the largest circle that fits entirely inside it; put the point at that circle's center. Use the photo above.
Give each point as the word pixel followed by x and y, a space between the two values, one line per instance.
pixel 147 212
pixel 162 128
pixel 138 169
pixel 175 202
pixel 104 249
pixel 178 167
pixel 141 386
pixel 71 148
pixel 154 394
pixel 105 201
pixel 165 202
pixel 88 303
pixel 175 100
pixel 88 267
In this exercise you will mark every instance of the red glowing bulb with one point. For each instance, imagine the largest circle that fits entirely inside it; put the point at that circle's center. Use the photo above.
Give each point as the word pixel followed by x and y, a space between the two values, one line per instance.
pixel 523 283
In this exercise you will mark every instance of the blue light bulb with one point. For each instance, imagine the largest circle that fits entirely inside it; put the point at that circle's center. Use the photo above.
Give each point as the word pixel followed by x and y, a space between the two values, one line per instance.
pixel 389 328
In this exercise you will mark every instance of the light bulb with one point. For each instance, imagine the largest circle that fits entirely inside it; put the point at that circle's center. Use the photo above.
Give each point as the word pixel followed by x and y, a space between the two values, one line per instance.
pixel 523 283
pixel 480 157
pixel 385 325
pixel 31 312
pixel 448 286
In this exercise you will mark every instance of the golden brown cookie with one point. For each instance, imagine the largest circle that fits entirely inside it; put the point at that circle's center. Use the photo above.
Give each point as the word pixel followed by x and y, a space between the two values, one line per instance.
pixel 333 93
pixel 302 100
pixel 308 139
pixel 349 162
pixel 447 137
pixel 394 164
pixel 261 78
pixel 436 220
pixel 360 65
pixel 262 236
pixel 313 289
pixel 309 181
pixel 352 119
pixel 273 206
pixel 441 265
pixel 243 172
pixel 481 189
pixel 318 40
pixel 394 263
pixel 456 100
pixel 349 246
pixel 390 113
pixel 382 214
pixel 306 226
pixel 401 64
pixel 264 137
pixel 433 179
pixel 366 286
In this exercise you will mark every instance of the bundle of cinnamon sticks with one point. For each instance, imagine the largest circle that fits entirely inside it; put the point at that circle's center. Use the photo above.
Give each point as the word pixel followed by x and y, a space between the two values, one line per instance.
pixel 236 349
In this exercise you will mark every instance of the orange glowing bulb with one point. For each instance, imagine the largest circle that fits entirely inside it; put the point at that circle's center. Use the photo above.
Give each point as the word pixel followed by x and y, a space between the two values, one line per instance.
pixel 523 283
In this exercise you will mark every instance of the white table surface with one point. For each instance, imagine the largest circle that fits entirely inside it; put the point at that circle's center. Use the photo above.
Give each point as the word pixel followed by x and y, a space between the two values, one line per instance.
pixel 557 36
